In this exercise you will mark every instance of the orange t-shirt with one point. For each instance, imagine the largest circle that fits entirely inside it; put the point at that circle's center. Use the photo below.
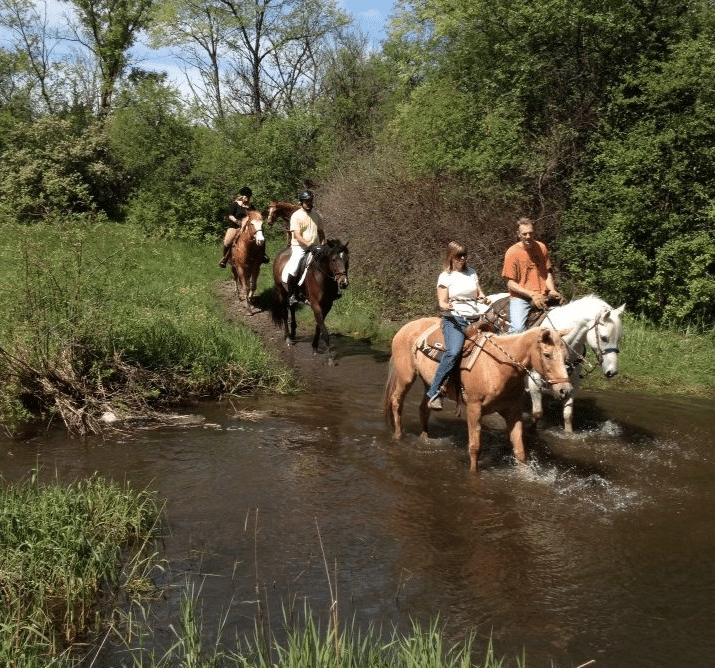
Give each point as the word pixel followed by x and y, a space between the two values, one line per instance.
pixel 528 269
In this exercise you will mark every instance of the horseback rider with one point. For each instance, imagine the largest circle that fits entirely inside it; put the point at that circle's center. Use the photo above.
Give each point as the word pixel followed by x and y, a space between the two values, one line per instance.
pixel 530 277
pixel 306 227
pixel 458 292
pixel 237 218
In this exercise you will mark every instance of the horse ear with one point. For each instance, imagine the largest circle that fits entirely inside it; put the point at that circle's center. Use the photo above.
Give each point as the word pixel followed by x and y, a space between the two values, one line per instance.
pixel 621 308
pixel 563 333
pixel 545 335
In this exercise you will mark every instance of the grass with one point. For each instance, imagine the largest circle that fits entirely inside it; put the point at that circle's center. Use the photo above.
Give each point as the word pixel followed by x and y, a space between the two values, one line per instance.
pixel 661 361
pixel 305 643
pixel 101 319
pixel 59 548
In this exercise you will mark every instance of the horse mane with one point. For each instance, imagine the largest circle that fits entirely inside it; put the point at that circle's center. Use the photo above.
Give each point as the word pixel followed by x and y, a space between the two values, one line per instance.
pixel 330 247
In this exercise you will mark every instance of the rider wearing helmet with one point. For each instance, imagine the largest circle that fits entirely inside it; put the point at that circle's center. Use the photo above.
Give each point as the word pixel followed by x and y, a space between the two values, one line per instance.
pixel 306 228
pixel 237 217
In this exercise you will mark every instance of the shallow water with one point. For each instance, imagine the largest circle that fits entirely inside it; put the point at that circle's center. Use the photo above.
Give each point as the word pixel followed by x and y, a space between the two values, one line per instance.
pixel 601 549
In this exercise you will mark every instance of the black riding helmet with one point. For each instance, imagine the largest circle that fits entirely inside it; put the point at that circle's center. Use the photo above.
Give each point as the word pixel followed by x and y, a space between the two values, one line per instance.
pixel 246 191
pixel 306 194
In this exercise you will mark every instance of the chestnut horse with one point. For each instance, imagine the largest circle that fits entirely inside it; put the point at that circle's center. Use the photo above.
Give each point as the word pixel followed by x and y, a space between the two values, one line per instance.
pixel 326 275
pixel 495 383
pixel 247 256
pixel 284 211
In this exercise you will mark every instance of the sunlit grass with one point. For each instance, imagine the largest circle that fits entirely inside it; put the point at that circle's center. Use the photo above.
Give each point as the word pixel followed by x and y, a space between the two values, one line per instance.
pixel 101 313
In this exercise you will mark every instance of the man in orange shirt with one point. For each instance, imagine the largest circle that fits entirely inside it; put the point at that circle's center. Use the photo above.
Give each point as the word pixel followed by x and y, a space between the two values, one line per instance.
pixel 529 275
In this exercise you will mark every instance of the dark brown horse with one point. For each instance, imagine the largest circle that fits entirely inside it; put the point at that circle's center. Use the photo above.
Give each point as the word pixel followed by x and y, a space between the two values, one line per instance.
pixel 247 255
pixel 495 382
pixel 327 274
pixel 284 211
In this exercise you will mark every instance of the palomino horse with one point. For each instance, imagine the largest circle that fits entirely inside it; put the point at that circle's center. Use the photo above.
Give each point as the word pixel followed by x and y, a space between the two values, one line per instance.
pixel 595 323
pixel 247 256
pixel 284 211
pixel 326 275
pixel 495 383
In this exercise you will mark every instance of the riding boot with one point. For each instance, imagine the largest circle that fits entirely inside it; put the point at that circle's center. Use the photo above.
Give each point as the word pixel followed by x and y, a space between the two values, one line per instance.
pixel 292 285
pixel 226 256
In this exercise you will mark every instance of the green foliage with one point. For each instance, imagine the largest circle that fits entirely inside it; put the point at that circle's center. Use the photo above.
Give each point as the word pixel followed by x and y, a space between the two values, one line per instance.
pixel 641 228
pixel 54 167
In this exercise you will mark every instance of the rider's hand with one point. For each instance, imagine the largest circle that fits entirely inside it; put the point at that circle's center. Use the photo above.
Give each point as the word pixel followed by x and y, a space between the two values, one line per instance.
pixel 555 294
pixel 484 300
pixel 539 301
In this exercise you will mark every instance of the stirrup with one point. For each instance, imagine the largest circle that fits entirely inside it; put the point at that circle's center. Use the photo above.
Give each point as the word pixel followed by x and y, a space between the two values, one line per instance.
pixel 435 403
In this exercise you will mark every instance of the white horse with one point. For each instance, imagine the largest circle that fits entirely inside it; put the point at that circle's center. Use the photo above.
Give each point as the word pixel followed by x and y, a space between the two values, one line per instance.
pixel 593 322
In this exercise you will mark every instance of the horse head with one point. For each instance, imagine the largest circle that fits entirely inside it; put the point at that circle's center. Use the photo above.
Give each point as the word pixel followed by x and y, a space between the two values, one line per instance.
pixel 254 228
pixel 550 362
pixel 272 213
pixel 603 337
pixel 334 257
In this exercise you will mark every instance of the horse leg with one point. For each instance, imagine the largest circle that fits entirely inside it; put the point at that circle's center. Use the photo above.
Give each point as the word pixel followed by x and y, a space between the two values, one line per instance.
pixel 474 429
pixel 291 308
pixel 515 428
pixel 537 407
pixel 320 329
pixel 568 404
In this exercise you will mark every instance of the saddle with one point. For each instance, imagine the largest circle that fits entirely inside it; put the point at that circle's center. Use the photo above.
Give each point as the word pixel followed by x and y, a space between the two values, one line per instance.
pixel 497 315
pixel 431 343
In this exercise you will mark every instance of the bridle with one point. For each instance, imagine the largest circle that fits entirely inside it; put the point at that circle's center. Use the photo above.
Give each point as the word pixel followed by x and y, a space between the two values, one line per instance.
pixel 601 352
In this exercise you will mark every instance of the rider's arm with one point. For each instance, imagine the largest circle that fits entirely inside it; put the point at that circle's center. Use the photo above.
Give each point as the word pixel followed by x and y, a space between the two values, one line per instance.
pixel 443 298
pixel 321 236
pixel 550 285
pixel 300 238
pixel 517 289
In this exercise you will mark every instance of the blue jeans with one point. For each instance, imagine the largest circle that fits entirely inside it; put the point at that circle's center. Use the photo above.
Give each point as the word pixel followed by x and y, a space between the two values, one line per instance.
pixel 453 331
pixel 518 310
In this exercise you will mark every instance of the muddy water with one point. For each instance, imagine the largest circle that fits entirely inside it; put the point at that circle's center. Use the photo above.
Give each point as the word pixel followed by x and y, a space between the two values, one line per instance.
pixel 603 549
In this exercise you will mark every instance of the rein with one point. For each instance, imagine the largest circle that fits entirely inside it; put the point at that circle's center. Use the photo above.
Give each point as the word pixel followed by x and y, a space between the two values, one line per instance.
pixel 550 381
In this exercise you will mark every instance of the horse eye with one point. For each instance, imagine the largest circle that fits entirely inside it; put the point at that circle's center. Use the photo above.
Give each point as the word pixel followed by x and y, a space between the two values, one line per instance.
pixel 547 356
pixel 604 338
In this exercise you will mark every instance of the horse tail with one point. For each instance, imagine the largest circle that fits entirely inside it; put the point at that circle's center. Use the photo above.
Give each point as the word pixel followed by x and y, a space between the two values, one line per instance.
pixel 390 384
pixel 278 312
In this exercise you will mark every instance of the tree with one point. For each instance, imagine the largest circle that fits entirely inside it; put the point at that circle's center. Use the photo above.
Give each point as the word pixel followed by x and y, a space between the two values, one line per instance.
pixel 108 28
pixel 253 56
pixel 642 225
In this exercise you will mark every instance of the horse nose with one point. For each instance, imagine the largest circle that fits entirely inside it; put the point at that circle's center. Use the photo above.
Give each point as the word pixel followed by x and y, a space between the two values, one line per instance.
pixel 610 373
pixel 343 283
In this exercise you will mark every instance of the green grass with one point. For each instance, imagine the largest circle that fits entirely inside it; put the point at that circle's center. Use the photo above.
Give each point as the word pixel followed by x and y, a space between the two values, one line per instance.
pixel 661 361
pixel 59 547
pixel 101 318
pixel 305 643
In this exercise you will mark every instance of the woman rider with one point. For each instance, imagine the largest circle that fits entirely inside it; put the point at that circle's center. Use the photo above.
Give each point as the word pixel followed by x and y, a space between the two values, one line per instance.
pixel 458 292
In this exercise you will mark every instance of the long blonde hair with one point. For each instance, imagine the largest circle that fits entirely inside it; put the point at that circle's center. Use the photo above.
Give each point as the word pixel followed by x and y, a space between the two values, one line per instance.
pixel 454 248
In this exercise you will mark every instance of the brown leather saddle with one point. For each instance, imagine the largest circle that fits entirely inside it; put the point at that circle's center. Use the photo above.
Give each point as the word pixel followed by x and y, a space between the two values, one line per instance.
pixel 431 342
pixel 497 315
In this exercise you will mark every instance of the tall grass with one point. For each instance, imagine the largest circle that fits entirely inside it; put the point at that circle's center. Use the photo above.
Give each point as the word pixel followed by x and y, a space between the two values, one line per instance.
pixel 59 548
pixel 101 319
pixel 306 643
